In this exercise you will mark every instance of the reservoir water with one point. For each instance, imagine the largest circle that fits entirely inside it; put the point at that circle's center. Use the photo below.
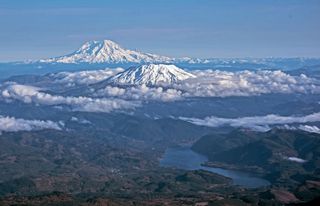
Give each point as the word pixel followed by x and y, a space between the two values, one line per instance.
pixel 185 158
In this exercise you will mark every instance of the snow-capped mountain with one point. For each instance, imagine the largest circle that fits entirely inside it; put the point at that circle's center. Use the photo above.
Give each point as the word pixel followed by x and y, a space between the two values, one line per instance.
pixel 151 74
pixel 107 51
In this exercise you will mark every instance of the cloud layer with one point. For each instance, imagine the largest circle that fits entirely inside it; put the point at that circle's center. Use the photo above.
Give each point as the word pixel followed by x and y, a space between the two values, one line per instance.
pixel 11 124
pixel 30 94
pixel 215 83
pixel 260 123
pixel 212 83
pixel 110 97
pixel 141 92
pixel 84 77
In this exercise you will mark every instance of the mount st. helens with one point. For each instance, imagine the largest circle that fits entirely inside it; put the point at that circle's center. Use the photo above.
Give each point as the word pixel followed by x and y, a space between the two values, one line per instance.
pixel 151 74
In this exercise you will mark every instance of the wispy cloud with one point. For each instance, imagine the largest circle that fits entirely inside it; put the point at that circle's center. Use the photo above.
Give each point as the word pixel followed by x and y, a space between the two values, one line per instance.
pixel 296 159
pixel 308 128
pixel 260 123
pixel 11 124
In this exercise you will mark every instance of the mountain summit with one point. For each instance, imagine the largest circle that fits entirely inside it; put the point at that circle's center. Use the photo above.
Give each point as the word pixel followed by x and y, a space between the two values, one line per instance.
pixel 151 74
pixel 107 51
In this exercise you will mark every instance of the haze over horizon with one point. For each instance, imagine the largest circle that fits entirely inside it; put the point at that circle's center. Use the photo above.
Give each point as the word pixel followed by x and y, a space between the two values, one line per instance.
pixel 202 29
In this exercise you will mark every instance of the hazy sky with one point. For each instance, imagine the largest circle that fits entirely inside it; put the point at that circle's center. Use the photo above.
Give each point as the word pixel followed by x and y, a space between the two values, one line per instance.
pixel 33 29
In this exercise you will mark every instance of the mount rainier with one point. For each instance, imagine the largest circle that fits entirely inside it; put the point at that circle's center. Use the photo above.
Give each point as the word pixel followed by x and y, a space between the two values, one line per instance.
pixel 107 51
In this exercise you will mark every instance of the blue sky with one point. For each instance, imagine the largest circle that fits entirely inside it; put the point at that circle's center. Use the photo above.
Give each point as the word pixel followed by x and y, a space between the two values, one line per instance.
pixel 36 29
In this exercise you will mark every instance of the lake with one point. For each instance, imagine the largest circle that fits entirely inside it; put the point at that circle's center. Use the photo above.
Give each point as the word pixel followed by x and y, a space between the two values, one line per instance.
pixel 185 158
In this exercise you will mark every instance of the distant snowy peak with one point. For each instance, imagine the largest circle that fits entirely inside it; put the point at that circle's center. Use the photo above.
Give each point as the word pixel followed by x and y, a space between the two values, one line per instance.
pixel 151 74
pixel 107 52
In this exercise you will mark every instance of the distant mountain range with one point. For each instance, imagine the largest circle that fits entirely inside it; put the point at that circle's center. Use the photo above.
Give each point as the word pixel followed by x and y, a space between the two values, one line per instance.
pixel 109 52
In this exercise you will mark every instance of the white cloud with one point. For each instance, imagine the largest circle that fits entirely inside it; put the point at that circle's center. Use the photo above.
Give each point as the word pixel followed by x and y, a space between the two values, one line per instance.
pixel 215 83
pixel 11 124
pixel 84 77
pixel 260 123
pixel 296 159
pixel 81 121
pixel 29 94
pixel 308 128
pixel 141 92
pixel 208 83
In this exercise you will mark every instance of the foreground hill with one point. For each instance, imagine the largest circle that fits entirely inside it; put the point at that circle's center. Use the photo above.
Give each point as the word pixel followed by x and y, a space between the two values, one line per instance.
pixel 278 153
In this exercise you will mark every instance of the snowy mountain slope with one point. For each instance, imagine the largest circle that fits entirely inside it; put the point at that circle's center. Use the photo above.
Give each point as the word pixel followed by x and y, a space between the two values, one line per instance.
pixel 107 51
pixel 151 74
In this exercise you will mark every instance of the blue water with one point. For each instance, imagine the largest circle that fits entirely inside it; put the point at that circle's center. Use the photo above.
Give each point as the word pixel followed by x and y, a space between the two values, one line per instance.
pixel 185 158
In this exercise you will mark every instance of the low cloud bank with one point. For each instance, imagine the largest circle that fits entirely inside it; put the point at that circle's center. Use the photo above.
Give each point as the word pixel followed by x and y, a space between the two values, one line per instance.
pixel 11 124
pixel 260 123
pixel 214 83
pixel 29 94
pixel 141 92
pixel 84 77
pixel 207 83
